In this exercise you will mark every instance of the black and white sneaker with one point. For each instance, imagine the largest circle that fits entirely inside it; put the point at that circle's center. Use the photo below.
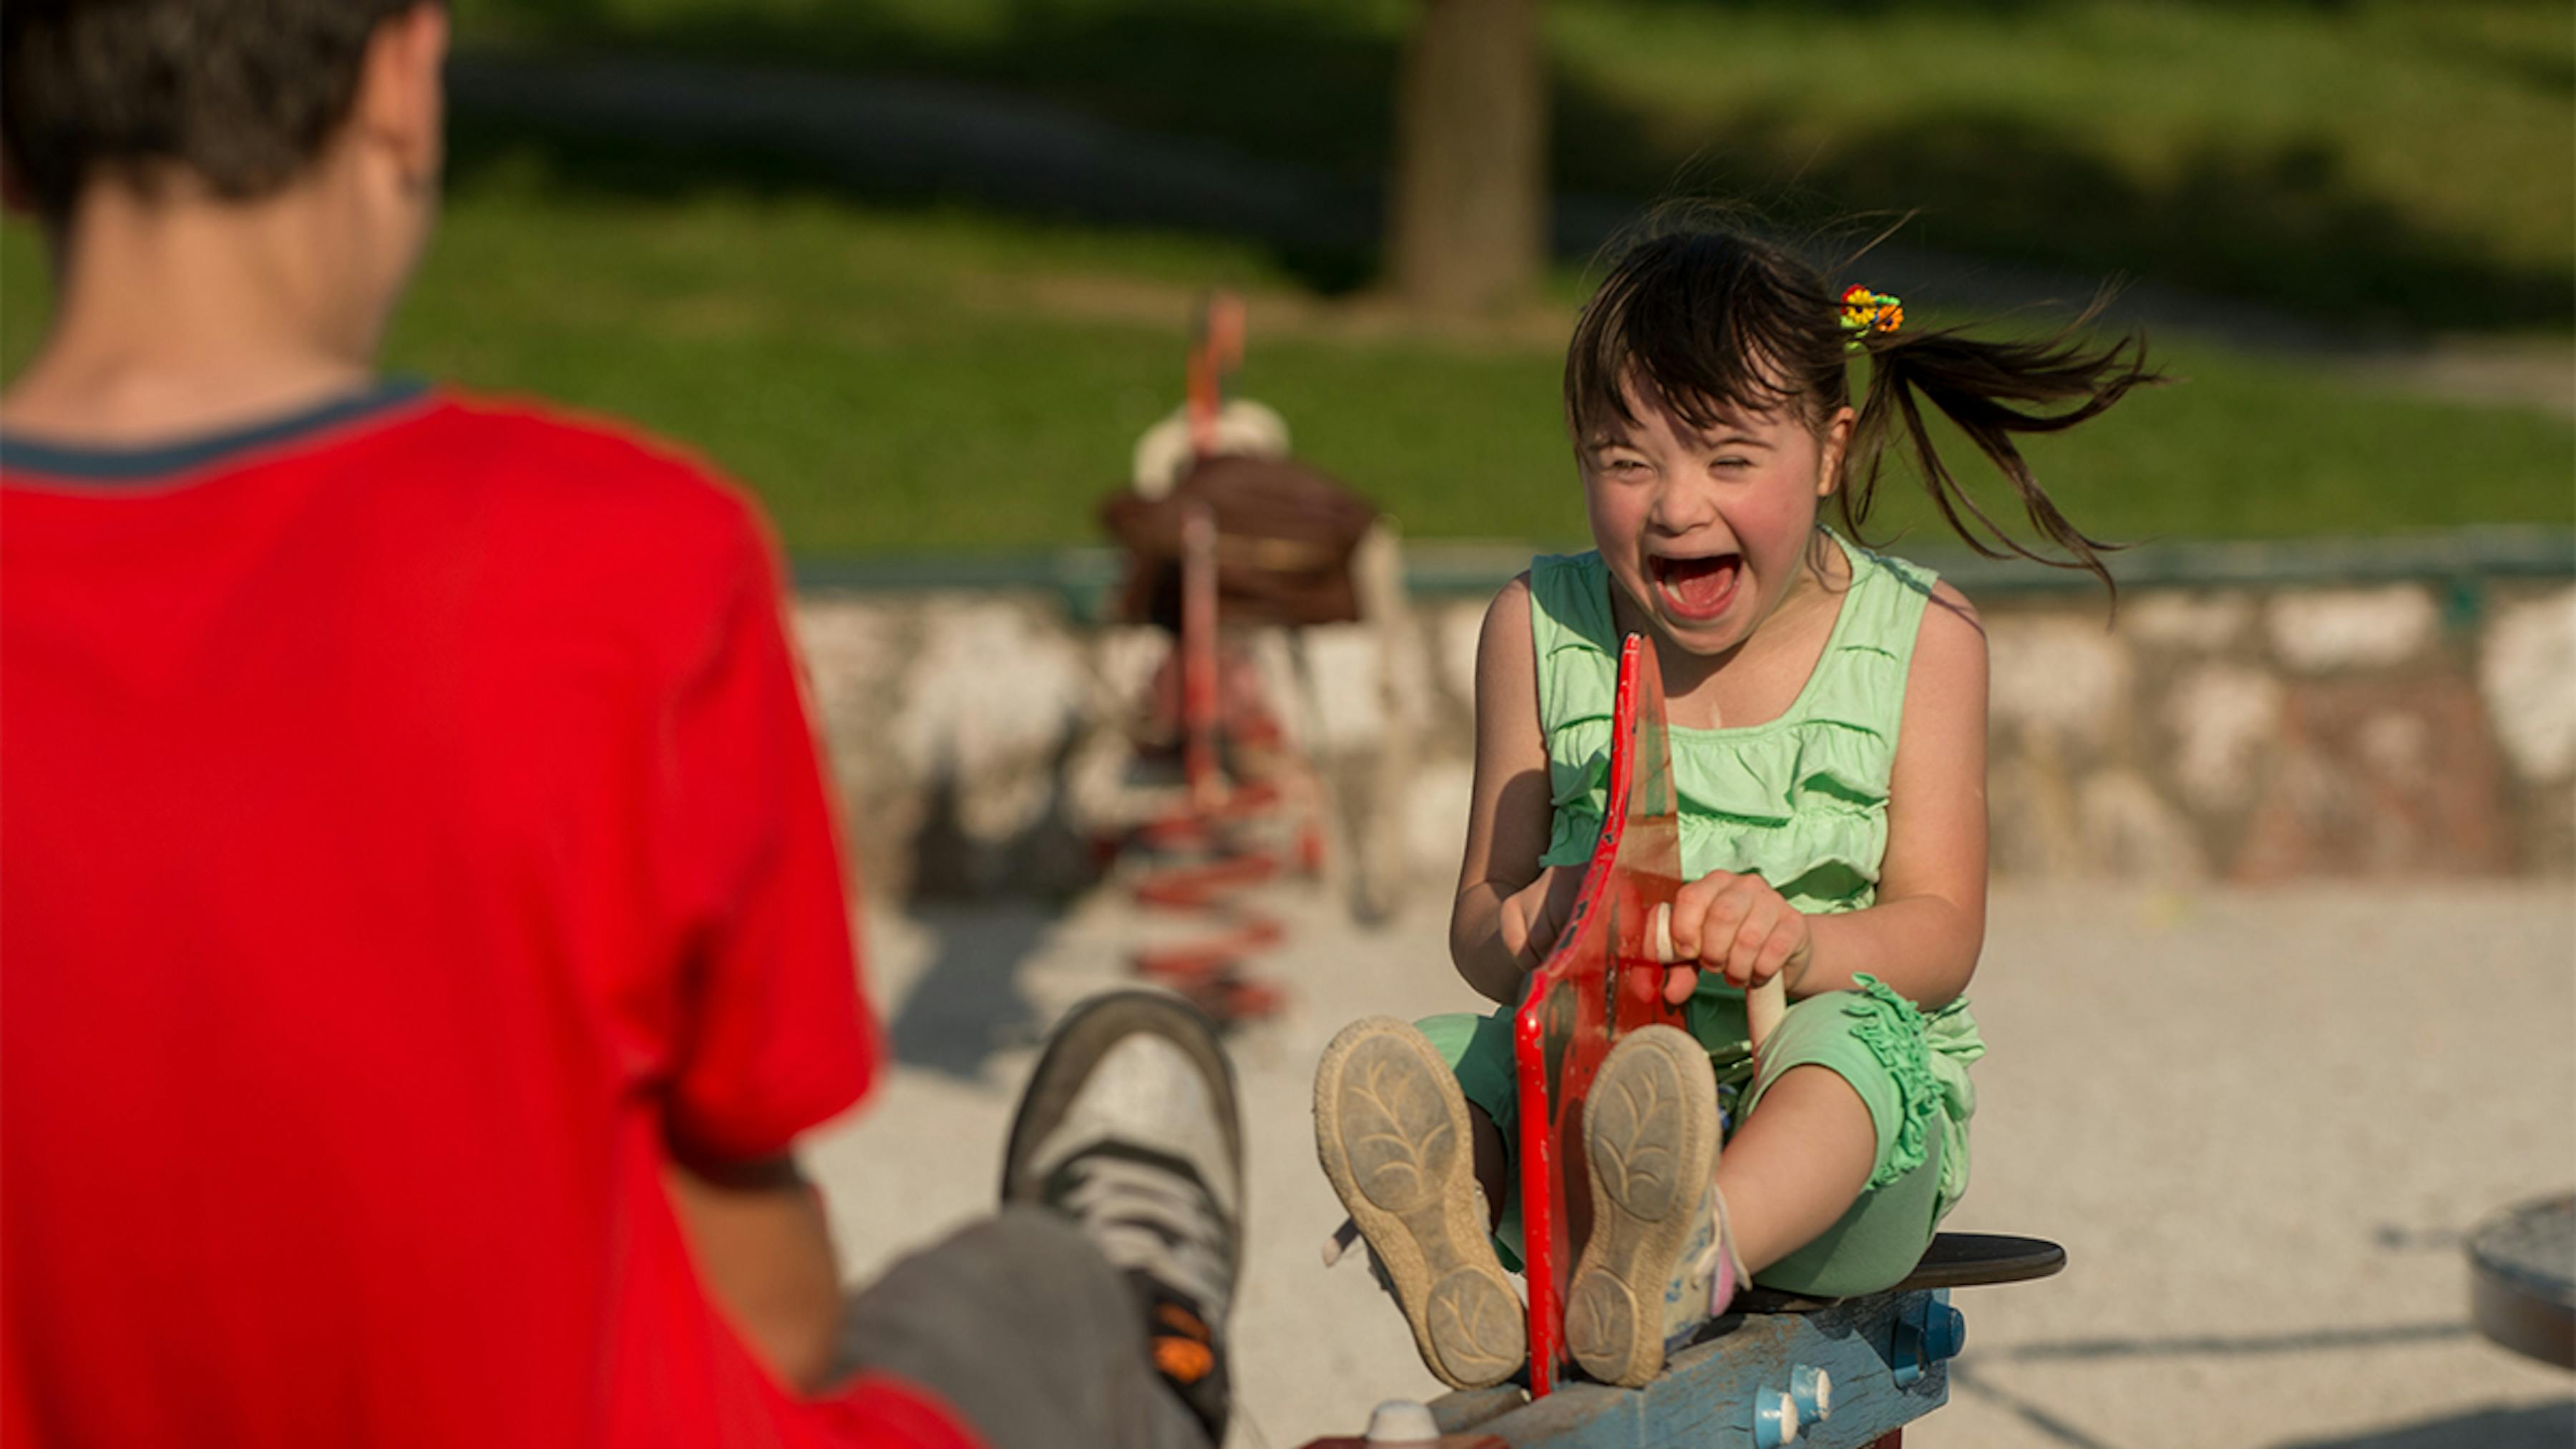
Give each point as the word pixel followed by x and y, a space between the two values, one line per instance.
pixel 1129 1128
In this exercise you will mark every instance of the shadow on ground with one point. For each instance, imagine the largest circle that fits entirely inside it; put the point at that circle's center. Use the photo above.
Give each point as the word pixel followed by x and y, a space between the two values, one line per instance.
pixel 2543 1426
pixel 970 1000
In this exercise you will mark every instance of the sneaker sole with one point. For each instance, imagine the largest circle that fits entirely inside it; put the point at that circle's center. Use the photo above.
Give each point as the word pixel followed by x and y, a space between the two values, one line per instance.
pixel 1393 1134
pixel 1650 1130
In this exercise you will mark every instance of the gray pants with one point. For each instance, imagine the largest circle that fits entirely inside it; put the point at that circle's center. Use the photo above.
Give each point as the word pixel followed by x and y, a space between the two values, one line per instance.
pixel 1021 1325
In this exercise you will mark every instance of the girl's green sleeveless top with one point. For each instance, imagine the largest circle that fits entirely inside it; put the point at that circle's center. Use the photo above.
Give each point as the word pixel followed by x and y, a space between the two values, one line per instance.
pixel 1800 800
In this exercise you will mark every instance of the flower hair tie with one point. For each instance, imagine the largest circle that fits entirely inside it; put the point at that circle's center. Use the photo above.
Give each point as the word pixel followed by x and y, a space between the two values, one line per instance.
pixel 1865 312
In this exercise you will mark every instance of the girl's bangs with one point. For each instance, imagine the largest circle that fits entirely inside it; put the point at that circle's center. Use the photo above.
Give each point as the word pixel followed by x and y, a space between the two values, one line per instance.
pixel 1703 336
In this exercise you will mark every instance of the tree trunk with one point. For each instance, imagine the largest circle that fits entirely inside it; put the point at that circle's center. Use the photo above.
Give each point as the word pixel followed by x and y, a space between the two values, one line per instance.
pixel 1467 209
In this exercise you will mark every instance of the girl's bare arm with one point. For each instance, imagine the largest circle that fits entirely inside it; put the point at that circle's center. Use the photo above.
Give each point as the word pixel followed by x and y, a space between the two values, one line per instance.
pixel 1508 911
pixel 1923 935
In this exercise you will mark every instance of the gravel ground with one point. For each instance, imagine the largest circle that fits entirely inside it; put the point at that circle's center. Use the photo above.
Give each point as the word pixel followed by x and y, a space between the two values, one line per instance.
pixel 2260 1123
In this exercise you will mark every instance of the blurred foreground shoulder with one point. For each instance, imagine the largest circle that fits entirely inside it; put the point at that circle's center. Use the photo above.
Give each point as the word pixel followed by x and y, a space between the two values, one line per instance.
pixel 558 453
pixel 603 496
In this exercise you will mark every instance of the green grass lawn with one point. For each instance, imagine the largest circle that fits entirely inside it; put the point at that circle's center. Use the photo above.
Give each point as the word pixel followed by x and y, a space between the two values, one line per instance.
pixel 885 381
pixel 2406 163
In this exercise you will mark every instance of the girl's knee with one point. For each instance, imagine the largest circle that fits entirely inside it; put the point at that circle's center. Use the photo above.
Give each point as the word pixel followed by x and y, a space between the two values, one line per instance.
pixel 1874 1246
pixel 1815 1091
pixel 1877 1043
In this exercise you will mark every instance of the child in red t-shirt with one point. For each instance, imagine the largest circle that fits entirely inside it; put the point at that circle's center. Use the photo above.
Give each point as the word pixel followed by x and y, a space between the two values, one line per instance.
pixel 422 935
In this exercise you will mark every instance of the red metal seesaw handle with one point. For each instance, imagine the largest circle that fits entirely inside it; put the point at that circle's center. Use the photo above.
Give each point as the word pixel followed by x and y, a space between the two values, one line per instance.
pixel 1603 979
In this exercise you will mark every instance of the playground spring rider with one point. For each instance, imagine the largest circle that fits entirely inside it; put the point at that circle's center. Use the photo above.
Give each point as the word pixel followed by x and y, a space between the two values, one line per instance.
pixel 1242 536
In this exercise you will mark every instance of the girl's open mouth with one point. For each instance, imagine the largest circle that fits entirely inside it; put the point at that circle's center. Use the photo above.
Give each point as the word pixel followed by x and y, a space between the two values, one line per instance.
pixel 1697 588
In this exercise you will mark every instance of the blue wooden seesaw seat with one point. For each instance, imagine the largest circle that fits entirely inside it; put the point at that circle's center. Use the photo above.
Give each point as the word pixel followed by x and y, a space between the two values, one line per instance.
pixel 1778 1371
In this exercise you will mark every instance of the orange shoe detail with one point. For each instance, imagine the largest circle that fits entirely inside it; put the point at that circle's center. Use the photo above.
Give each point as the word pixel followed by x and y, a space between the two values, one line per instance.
pixel 1183 1360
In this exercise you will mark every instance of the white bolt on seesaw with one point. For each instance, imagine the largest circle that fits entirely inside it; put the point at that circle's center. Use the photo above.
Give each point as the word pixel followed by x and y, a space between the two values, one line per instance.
pixel 1402 1421
pixel 1812 1389
pixel 1775 1419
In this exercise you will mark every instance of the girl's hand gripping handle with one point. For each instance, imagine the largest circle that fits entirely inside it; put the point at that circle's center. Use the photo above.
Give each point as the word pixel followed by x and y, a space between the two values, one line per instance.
pixel 1763 1004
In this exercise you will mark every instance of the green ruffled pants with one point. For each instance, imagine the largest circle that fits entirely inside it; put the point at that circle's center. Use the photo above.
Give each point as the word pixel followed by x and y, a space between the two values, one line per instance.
pixel 1910 1070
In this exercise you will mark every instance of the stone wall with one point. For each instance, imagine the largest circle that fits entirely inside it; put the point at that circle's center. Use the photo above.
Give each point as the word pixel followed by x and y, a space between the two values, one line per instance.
pixel 2246 734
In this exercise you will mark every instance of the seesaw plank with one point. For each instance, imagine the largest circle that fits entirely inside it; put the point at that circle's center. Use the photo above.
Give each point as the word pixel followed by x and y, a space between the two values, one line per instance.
pixel 1709 1393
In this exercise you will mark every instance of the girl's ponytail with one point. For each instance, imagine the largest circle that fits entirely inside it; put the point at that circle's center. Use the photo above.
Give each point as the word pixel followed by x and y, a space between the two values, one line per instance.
pixel 1976 385
pixel 1712 320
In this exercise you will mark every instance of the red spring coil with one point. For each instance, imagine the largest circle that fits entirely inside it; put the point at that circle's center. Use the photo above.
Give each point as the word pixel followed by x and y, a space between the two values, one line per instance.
pixel 1228 863
pixel 1217 819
